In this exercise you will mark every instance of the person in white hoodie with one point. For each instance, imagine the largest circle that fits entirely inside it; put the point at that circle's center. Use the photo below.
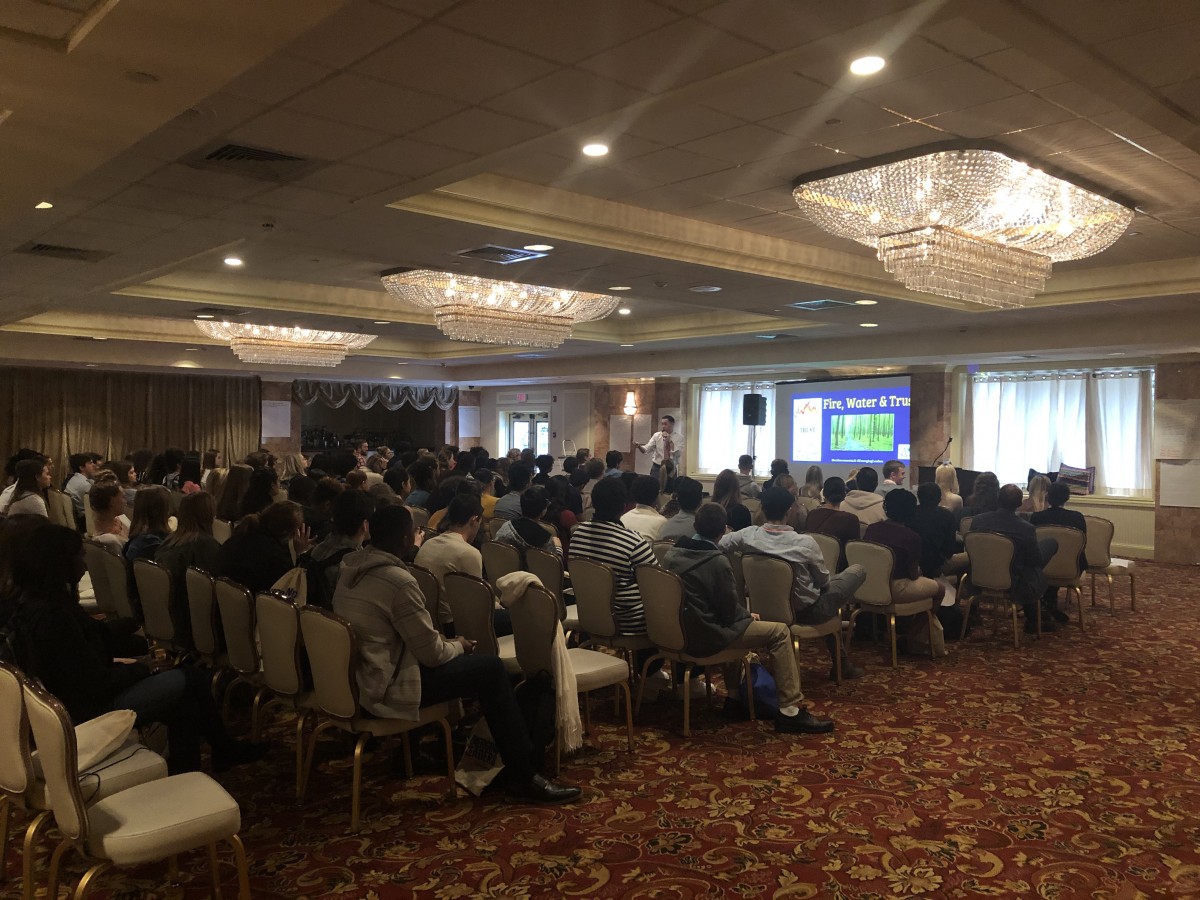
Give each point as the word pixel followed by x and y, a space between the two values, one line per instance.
pixel 864 502
pixel 405 663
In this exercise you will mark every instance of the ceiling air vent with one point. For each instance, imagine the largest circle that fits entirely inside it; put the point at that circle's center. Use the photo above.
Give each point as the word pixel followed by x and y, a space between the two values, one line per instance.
pixel 813 305
pixel 505 256
pixel 251 162
pixel 57 251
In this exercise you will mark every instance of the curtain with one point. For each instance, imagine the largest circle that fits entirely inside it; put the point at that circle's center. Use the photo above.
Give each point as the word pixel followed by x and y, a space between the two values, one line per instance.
pixel 64 412
pixel 1021 421
pixel 336 394
pixel 722 437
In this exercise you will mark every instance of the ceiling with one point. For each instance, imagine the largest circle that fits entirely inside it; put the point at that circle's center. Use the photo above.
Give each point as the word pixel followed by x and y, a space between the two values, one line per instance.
pixel 421 128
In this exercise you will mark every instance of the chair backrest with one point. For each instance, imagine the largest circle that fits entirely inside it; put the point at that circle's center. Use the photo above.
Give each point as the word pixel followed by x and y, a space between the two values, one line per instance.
pixel 472 605
pixel 222 530
pixel 61 508
pixel 595 587
pixel 769 583
pixel 964 524
pixel 202 610
pixel 739 576
pixel 660 549
pixel 499 560
pixel 753 504
pixel 89 514
pixel 427 532
pixel 430 588
pixel 534 617
pixel 1064 564
pixel 279 637
pixel 1099 542
pixel 332 653
pixel 493 527
pixel 662 595
pixel 237 624
pixel 831 549
pixel 16 771
pixel 991 557
pixel 58 755
pixel 154 588
pixel 110 579
pixel 548 567
pixel 420 516
pixel 878 560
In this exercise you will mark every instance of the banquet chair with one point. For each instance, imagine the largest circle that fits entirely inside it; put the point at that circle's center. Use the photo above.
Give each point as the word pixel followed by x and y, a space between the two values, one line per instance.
pixel 202 612
pixel 241 646
pixel 493 527
pixel 534 620
pixel 472 608
pixel 420 516
pixel 991 557
pixel 222 530
pixel 430 590
pixel 279 634
pixel 1062 569
pixel 664 627
pixel 661 549
pixel 499 560
pixel 831 549
pixel 333 655
pixel 595 587
pixel 1100 561
pixel 110 579
pixel 875 593
pixel 154 590
pixel 150 821
pixel 769 582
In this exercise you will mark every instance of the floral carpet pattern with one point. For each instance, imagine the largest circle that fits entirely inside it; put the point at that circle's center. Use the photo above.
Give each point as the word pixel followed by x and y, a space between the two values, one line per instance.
pixel 1069 768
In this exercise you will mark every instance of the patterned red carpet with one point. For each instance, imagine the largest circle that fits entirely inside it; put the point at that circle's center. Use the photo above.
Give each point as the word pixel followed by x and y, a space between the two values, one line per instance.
pixel 1069 768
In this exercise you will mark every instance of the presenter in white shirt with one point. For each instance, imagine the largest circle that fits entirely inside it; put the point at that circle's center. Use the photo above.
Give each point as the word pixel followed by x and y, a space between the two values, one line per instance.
pixel 663 445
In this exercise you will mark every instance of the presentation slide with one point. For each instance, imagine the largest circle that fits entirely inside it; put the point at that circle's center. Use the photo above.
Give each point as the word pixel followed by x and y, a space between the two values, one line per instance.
pixel 843 424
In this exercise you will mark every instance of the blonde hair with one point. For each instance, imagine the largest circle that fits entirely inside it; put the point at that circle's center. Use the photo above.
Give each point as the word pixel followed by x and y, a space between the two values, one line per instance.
pixel 1038 485
pixel 946 477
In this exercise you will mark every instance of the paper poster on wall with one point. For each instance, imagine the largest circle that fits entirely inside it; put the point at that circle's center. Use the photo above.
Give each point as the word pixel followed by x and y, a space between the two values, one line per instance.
pixel 1176 429
pixel 619 431
pixel 643 427
pixel 468 422
pixel 276 419
pixel 1179 482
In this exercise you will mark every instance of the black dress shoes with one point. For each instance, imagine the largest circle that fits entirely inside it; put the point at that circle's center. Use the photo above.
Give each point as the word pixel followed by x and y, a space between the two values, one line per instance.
pixel 540 789
pixel 803 722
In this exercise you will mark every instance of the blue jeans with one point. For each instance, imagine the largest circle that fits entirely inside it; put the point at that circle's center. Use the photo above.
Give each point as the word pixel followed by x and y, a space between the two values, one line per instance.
pixel 180 699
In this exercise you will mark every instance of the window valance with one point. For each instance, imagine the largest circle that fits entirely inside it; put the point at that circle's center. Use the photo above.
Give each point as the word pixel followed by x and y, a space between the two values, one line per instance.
pixel 336 394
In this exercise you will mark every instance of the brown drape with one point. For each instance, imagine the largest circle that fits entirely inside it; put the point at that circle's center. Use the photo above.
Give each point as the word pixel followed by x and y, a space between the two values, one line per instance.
pixel 64 412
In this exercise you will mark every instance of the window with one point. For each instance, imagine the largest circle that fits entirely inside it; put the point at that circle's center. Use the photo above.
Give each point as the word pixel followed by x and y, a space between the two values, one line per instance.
pixel 721 436
pixel 522 430
pixel 1015 422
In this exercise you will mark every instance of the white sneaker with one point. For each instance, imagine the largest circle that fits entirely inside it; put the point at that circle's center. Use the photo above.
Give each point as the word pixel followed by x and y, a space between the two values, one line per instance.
pixel 656 683
pixel 697 688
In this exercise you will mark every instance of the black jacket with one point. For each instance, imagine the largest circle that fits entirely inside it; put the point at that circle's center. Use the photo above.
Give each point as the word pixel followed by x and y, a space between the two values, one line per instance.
pixel 712 616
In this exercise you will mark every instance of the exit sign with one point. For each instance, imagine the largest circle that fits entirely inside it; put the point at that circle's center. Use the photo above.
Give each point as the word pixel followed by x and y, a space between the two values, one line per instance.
pixel 521 398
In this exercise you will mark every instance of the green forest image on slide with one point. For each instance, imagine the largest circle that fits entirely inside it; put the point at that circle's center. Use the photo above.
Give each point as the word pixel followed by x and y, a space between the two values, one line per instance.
pixel 873 431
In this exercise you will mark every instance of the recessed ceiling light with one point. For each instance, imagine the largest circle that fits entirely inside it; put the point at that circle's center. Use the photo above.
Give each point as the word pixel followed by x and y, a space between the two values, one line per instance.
pixel 94 338
pixel 381 322
pixel 704 288
pixel 90 365
pixel 868 324
pixel 539 248
pixel 627 345
pixel 767 337
pixel 45 204
pixel 867 65
pixel 865 302
pixel 624 310
pixel 595 149
pixel 1127 234
pixel 620 287
pixel 396 377
pixel 233 261
pixel 205 316
pixel 191 349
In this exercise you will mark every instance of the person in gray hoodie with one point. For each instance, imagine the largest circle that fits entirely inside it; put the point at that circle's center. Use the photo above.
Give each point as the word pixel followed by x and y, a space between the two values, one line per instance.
pixel 864 502
pixel 405 663
pixel 715 620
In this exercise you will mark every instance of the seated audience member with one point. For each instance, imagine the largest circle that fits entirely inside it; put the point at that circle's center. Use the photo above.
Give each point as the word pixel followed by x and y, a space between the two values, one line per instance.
pixel 453 551
pixel 171 459
pixel 289 466
pixel 798 514
pixel 750 488
pixel 10 472
pixel 946 478
pixel 527 530
pixel 644 518
pixel 300 489
pixel 544 464
pixel 829 518
pixel 351 509
pixel 852 480
pixel 509 506
pixel 814 481
pixel 939 534
pixel 1036 501
pixel 360 449
pixel 110 526
pixel 318 511
pixel 190 544
pixel 720 622
pixel 356 480
pixel 560 513
pixel 486 479
pixel 237 483
pixel 894 472
pixel 83 470
pixel 189 475
pixel 150 524
pixel 583 454
pixel 605 540
pixel 212 459
pixel 627 479
pixel 404 663
pixel 863 501
pixel 896 531
pixel 593 471
pixel 985 497
pixel 447 489
pixel 122 470
pixel 260 492
pixel 612 463
pixel 778 467
pixel 30 489
pixel 690 494
pixel 727 493
pixel 1057 496
pixel 1030 555
pixel 421 474
pixel 816 597
pixel 527 459
pixel 258 554
pixel 396 477
pixel 80 659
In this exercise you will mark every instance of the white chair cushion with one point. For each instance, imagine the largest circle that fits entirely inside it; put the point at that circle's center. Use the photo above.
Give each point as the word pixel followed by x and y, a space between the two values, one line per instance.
pixel 132 764
pixel 508 654
pixel 152 821
pixel 594 669
pixel 571 623
pixel 1120 566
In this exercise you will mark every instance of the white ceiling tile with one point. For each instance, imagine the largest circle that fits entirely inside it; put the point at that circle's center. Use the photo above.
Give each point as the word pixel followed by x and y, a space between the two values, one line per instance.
pixel 1047 140
pixel 1001 116
pixel 412 159
pixel 668 199
pixel 352 181
pixel 278 78
pixel 732 182
pixel 742 145
pixel 373 104
pixel 164 200
pixel 606 182
pixel 425 9
pixel 159 220
pixel 671 165
pixel 802 160
pixel 95 187
pixel 962 36
pixel 1107 20
pixel 1022 69
pixel 177 176
pixel 1162 56
pixel 765 94
pixel 669 123
pixel 1077 98
pixel 828 122
pixel 306 136
pixel 478 131
pixel 941 91
pixel 351 33
pixel 892 139
pixel 565 97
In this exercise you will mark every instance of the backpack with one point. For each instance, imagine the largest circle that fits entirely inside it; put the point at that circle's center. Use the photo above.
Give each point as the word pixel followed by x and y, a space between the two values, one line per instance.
pixel 319 593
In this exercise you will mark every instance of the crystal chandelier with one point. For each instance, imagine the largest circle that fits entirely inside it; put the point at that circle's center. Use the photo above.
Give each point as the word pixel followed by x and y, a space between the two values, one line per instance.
pixel 280 346
pixel 471 308
pixel 972 224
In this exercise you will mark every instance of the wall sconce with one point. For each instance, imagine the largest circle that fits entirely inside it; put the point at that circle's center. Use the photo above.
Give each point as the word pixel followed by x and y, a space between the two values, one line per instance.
pixel 630 404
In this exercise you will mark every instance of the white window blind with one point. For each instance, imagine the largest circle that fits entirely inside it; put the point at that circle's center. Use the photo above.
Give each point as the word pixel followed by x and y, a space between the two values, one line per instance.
pixel 722 437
